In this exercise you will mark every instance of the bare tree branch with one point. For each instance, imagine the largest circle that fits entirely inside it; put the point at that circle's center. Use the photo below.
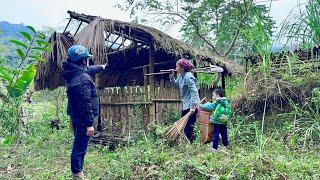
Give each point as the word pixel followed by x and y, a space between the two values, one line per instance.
pixel 235 37
pixel 210 44
pixel 215 52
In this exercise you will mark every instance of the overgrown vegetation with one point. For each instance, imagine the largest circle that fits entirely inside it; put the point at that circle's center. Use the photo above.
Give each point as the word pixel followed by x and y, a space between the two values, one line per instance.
pixel 16 80
pixel 151 158
pixel 213 25
pixel 275 133
pixel 302 28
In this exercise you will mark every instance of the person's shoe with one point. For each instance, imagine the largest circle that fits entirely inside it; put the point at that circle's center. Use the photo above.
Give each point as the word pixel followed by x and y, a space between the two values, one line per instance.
pixel 78 176
pixel 213 150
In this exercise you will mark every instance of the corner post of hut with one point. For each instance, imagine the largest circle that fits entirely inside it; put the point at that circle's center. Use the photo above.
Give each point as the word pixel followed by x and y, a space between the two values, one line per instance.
pixel 152 84
pixel 223 81
pixel 98 80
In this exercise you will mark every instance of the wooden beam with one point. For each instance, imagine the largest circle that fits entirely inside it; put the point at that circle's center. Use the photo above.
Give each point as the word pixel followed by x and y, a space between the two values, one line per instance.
pixel 167 100
pixel 151 62
pixel 106 39
pixel 67 25
pixel 125 103
pixel 156 64
pixel 137 35
pixel 159 73
pixel 195 65
pixel 246 64
pixel 206 72
pixel 78 28
pixel 99 126
pixel 122 44
pixel 223 81
pixel 132 38
pixel 81 17
pixel 210 69
pixel 215 82
pixel 113 43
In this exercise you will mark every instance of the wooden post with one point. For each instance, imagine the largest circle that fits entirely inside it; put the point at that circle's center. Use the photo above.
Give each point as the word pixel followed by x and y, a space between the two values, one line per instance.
pixel 100 94
pixel 146 108
pixel 246 63
pixel 145 81
pixel 151 83
pixel 67 25
pixel 223 81
pixel 78 28
pixel 195 65
pixel 98 81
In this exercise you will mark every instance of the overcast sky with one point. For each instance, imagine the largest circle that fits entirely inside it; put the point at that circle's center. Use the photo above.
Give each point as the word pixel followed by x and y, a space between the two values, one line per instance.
pixel 53 13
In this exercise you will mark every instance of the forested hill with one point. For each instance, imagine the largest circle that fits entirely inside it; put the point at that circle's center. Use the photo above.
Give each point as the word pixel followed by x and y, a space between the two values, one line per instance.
pixel 11 31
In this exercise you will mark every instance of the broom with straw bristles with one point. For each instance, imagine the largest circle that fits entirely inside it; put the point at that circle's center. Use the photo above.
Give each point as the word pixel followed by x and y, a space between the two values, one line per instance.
pixel 176 133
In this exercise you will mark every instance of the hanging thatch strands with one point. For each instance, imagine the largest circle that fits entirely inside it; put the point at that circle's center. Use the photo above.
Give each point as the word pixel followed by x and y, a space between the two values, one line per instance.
pixel 151 36
pixel 49 72
pixel 130 51
pixel 93 39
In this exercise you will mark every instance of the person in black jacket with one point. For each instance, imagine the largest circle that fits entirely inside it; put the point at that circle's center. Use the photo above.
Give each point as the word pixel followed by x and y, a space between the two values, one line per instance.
pixel 83 104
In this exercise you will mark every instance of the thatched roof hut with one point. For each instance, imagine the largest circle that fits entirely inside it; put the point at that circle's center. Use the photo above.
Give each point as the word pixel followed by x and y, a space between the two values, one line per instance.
pixel 127 47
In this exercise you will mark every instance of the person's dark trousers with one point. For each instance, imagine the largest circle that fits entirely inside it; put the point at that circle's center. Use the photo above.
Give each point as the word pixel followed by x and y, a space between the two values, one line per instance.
pixel 222 129
pixel 189 129
pixel 79 148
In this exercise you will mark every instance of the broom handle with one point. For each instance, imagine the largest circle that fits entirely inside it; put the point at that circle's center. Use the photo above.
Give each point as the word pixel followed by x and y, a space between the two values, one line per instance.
pixel 168 70
pixel 201 101
pixel 194 70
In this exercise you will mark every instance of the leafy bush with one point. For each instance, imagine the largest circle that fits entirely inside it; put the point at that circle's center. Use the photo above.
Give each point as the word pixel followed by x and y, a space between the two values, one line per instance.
pixel 16 80
pixel 306 122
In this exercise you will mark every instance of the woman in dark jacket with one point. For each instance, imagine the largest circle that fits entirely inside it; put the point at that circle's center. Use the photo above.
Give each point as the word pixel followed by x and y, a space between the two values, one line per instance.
pixel 83 105
pixel 187 85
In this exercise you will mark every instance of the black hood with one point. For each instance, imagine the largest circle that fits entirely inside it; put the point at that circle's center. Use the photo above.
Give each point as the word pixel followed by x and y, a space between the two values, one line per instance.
pixel 70 70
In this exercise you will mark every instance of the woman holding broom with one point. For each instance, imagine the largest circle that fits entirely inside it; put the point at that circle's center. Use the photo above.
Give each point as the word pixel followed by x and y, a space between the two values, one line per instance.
pixel 187 85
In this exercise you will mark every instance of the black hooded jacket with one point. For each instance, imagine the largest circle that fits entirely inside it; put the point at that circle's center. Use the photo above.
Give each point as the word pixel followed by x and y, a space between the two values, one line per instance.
pixel 83 104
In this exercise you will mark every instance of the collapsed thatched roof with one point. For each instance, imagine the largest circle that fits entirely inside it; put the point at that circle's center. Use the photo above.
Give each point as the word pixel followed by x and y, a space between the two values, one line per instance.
pixel 128 57
pixel 49 73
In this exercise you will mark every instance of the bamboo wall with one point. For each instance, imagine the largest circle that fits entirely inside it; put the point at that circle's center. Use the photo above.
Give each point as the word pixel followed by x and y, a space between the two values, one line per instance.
pixel 126 111
pixel 166 101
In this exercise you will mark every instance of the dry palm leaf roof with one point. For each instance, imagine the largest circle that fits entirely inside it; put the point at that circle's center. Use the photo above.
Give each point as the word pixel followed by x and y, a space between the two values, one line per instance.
pixel 125 46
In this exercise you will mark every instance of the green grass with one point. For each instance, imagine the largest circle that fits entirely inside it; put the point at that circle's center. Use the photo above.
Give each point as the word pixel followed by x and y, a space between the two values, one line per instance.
pixel 45 155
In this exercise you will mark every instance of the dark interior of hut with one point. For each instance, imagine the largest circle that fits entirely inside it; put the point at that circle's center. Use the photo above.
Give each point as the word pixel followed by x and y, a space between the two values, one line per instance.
pixel 130 62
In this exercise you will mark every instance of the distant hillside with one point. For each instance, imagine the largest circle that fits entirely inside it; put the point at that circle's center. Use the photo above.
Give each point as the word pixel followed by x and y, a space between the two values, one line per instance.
pixel 11 31
pixel 7 50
